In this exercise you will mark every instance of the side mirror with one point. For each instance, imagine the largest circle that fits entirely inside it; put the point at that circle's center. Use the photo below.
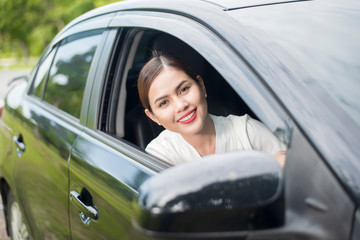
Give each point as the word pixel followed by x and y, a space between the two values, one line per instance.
pixel 235 191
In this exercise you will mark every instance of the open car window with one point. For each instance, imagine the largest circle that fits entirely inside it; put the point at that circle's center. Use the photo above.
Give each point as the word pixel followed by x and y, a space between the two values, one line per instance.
pixel 126 118
pixel 222 99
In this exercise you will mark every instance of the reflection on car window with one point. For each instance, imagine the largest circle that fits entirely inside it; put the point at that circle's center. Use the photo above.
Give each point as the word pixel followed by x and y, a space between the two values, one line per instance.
pixel 334 65
pixel 41 75
pixel 69 72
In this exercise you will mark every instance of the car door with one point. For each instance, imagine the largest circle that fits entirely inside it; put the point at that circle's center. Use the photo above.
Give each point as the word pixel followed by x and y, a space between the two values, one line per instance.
pixel 47 124
pixel 104 179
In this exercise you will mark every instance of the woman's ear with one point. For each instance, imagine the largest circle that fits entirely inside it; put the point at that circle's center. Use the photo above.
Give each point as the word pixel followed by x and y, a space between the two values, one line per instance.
pixel 151 116
pixel 201 83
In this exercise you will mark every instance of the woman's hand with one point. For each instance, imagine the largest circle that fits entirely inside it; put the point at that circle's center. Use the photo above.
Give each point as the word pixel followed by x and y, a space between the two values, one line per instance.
pixel 280 156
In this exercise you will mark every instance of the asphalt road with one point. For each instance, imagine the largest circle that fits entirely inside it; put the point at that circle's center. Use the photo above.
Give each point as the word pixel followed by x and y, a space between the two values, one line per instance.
pixel 5 76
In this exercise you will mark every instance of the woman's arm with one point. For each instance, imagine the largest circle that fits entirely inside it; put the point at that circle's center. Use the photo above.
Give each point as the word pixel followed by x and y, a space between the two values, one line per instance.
pixel 263 139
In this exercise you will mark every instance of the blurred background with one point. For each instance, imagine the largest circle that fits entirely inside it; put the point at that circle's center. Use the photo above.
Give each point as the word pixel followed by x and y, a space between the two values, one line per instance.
pixel 28 26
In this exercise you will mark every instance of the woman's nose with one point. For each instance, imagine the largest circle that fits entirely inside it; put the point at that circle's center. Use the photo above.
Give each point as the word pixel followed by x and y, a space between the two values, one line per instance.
pixel 181 104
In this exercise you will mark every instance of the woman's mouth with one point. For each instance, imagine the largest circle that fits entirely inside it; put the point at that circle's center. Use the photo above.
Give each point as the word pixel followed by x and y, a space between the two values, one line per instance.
pixel 188 117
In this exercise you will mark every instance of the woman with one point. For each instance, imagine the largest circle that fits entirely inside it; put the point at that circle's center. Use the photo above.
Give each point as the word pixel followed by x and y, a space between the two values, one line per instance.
pixel 175 97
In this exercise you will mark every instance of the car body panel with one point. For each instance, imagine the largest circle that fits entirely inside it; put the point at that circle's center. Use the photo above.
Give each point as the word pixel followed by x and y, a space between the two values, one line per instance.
pixel 43 168
pixel 113 179
pixel 228 5
pixel 314 202
pixel 6 125
pixel 64 154
pixel 356 226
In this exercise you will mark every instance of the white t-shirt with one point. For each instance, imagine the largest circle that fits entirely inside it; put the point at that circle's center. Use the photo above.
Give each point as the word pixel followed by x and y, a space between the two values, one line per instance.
pixel 232 133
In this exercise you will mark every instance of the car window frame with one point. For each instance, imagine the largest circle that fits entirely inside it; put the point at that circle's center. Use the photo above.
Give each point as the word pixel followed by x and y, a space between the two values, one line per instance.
pixel 69 39
pixel 44 57
pixel 89 82
pixel 267 114
pixel 149 20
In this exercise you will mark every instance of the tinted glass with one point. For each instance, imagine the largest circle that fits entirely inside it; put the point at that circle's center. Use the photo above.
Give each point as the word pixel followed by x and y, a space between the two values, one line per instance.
pixel 325 42
pixel 41 75
pixel 68 74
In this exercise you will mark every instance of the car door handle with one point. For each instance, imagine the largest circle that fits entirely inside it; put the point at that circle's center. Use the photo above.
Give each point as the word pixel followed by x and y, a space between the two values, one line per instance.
pixel 19 141
pixel 88 211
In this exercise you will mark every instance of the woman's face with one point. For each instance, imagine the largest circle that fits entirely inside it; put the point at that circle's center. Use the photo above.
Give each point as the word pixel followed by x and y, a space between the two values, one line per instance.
pixel 178 102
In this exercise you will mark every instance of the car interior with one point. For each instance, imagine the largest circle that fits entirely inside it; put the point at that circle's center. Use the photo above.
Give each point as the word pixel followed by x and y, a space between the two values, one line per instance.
pixel 130 122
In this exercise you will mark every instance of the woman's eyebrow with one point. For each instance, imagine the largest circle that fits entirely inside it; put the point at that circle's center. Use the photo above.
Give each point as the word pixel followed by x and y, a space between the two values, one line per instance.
pixel 180 84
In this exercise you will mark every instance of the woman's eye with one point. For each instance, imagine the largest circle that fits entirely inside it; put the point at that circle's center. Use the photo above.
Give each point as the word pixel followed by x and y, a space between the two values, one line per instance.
pixel 162 103
pixel 184 89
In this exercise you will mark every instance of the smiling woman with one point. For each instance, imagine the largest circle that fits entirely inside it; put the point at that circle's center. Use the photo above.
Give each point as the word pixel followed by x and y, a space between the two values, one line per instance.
pixel 175 97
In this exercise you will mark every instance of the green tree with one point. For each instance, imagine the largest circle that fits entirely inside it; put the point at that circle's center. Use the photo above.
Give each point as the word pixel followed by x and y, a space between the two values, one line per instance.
pixel 18 17
pixel 31 24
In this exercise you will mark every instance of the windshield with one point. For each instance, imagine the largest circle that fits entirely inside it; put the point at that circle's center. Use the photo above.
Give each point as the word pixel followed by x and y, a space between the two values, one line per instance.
pixel 325 41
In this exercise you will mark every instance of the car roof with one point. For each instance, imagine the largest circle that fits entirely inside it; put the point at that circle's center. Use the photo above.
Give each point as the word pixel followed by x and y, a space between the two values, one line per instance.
pixel 175 5
pixel 203 8
pixel 237 4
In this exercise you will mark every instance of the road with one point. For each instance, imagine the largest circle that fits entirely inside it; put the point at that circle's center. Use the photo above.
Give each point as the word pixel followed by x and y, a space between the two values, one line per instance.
pixel 5 76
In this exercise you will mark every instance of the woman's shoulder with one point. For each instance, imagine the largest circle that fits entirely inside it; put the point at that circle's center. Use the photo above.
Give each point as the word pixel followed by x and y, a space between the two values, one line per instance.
pixel 166 138
pixel 170 147
pixel 230 119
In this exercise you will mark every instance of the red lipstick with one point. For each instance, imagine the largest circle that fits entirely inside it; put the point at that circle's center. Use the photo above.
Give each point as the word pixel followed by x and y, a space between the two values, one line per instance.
pixel 188 117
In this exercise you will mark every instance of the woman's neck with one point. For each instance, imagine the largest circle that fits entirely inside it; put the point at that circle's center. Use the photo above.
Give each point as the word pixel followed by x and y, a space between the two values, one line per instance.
pixel 205 141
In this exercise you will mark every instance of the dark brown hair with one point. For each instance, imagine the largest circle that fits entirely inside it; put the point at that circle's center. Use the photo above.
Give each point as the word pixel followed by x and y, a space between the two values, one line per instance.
pixel 153 68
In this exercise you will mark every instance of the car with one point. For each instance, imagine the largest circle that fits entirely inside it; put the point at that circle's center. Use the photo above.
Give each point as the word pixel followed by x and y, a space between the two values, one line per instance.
pixel 72 135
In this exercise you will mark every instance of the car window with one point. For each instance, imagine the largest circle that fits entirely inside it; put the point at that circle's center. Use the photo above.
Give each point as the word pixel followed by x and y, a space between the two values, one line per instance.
pixel 41 75
pixel 69 71
pixel 222 99
pixel 138 129
pixel 334 65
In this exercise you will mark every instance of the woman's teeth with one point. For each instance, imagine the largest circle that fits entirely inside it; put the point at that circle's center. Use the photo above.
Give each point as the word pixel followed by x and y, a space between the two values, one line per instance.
pixel 187 117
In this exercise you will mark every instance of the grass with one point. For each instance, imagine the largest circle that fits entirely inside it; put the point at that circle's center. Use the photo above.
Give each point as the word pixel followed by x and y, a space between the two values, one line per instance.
pixel 16 64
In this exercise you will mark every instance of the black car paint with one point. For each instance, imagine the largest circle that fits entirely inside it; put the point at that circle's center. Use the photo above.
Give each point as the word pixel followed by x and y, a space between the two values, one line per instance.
pixel 279 78
pixel 48 145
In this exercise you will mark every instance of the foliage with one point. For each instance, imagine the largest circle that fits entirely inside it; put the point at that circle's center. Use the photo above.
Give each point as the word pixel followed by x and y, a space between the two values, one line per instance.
pixel 27 26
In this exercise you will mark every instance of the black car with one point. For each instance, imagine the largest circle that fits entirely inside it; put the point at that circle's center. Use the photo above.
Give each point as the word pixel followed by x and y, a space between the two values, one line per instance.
pixel 72 136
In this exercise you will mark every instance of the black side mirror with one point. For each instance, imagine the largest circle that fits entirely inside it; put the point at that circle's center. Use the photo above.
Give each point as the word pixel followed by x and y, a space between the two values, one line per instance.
pixel 236 191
